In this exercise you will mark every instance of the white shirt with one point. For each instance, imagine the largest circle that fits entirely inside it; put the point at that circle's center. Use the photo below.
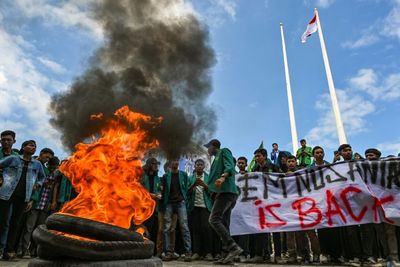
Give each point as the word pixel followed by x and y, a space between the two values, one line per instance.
pixel 199 197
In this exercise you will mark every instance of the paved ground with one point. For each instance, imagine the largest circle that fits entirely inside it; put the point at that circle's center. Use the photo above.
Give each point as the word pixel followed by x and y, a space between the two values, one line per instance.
pixel 25 262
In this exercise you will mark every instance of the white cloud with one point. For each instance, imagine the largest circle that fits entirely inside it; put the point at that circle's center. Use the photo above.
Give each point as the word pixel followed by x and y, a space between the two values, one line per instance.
pixel 386 27
pixel 391 24
pixel 324 3
pixel 389 148
pixel 365 40
pixel 3 78
pixel 318 3
pixel 354 108
pixel 68 13
pixel 23 99
pixel 53 66
pixel 384 88
pixel 216 12
pixel 229 7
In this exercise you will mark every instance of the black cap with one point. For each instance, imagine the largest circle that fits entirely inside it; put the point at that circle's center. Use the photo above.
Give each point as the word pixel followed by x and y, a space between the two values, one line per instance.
pixel 374 151
pixel 152 161
pixel 214 142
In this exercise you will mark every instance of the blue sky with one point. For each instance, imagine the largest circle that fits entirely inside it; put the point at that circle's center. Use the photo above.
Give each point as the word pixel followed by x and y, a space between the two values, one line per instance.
pixel 44 44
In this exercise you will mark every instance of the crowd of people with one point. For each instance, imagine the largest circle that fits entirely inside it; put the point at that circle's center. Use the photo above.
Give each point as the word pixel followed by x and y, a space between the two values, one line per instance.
pixel 200 203
pixel 31 188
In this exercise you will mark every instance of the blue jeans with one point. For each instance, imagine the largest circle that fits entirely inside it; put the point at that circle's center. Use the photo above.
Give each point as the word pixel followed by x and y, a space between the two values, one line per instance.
pixel 3 235
pixel 180 209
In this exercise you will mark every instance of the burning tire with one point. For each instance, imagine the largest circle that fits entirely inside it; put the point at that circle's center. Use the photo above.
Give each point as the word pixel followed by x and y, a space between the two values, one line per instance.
pixel 55 245
pixel 90 229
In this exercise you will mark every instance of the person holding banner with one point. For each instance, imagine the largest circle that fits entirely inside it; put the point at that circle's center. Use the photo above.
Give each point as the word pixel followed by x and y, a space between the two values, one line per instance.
pixel 222 184
pixel 384 233
pixel 242 240
pixel 373 235
pixel 329 238
pixel 291 236
pixel 261 240
pixel 298 241
pixel 351 239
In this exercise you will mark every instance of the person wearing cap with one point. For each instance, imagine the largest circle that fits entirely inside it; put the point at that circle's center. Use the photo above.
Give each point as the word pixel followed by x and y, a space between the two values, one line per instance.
pixel 151 182
pixel 21 174
pixel 304 154
pixel 383 233
pixel 221 183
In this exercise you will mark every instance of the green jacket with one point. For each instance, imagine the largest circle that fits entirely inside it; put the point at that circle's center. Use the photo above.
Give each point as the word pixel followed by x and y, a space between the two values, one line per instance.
pixel 223 162
pixel 37 194
pixel 65 192
pixel 206 194
pixel 156 185
pixel 13 152
pixel 183 182
pixel 306 159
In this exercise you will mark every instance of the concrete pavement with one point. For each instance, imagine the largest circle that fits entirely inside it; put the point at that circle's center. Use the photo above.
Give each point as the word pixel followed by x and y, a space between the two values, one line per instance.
pixel 25 262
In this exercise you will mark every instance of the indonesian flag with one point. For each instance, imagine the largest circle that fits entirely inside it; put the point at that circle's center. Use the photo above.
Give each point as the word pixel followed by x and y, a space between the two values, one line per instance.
pixel 311 28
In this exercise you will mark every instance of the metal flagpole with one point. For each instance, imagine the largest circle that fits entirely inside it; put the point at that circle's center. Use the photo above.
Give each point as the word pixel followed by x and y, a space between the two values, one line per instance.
pixel 289 95
pixel 335 105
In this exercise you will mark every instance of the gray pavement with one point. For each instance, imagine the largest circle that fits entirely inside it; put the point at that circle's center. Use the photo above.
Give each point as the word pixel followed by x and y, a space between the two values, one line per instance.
pixel 25 262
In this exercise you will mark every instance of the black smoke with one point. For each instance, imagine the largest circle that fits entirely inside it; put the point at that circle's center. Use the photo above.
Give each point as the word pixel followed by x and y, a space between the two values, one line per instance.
pixel 156 64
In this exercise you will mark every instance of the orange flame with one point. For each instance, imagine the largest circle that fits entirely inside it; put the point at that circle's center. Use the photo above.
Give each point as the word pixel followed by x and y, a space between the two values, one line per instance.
pixel 107 172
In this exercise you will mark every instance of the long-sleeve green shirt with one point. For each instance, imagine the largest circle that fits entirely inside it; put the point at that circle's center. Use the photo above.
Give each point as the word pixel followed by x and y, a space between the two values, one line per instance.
pixel 306 159
pixel 223 162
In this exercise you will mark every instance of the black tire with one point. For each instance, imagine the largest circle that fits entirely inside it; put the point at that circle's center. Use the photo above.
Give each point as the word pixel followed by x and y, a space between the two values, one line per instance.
pixel 44 252
pixel 58 245
pixel 90 229
pixel 152 262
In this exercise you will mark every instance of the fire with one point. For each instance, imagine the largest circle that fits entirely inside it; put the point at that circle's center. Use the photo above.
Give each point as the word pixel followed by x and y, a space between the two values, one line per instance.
pixel 107 172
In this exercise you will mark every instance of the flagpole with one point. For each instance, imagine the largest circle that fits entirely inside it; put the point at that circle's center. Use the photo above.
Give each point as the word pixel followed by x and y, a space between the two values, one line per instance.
pixel 335 105
pixel 289 95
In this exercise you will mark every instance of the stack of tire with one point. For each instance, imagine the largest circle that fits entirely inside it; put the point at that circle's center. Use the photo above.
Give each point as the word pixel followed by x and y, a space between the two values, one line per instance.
pixel 102 242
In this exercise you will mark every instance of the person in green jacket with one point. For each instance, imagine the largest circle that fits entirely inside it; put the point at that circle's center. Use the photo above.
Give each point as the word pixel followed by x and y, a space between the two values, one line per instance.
pixel 175 190
pixel 304 154
pixel 221 182
pixel 199 207
pixel 152 183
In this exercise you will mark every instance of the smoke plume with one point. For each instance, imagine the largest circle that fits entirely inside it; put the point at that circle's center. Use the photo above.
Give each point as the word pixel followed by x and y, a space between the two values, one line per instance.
pixel 156 59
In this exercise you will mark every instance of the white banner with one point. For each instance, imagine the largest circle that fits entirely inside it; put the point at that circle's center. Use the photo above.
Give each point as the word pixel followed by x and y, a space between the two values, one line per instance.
pixel 344 193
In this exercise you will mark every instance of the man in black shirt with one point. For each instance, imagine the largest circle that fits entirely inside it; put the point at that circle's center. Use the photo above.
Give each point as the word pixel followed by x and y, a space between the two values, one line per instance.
pixel 175 185
pixel 261 240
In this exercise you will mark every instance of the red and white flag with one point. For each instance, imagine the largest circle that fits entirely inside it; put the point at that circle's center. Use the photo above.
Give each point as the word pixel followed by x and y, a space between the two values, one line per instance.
pixel 311 28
